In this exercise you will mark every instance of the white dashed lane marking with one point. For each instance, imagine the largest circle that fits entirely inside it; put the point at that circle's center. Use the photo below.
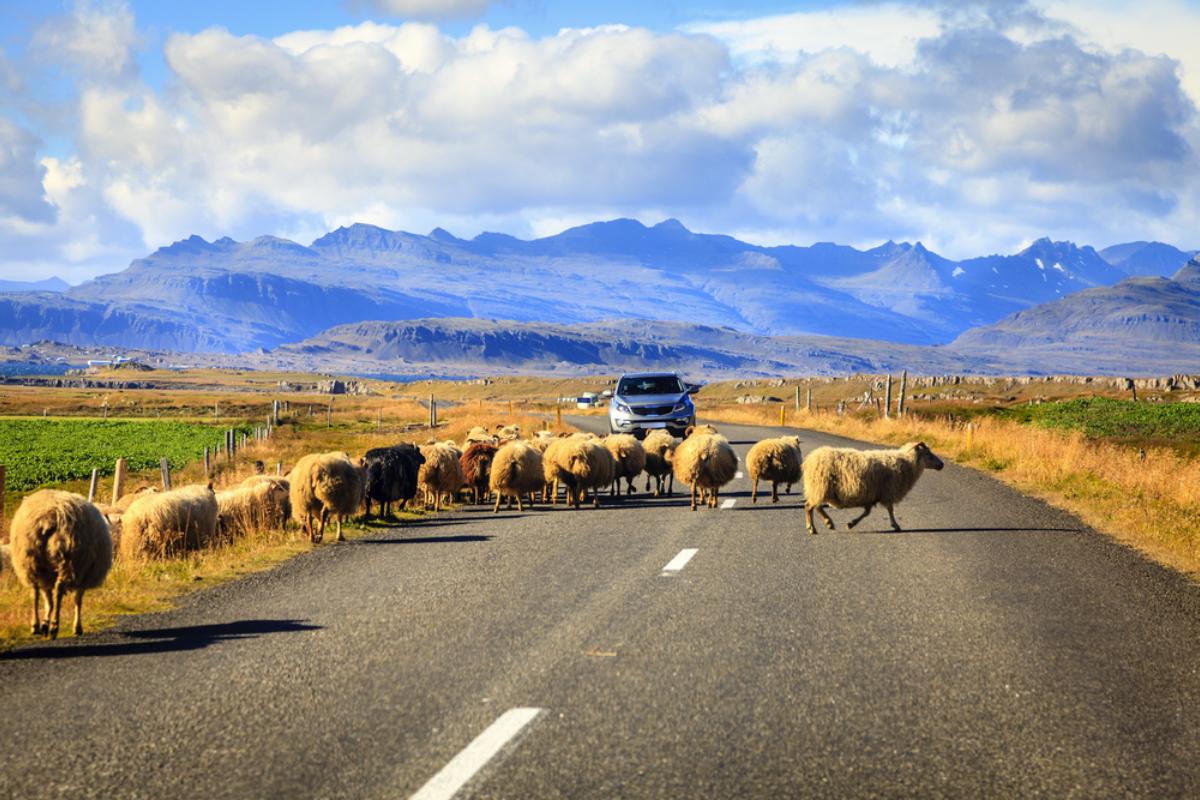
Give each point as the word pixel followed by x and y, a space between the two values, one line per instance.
pixel 455 775
pixel 680 561
pixel 739 475
pixel 728 503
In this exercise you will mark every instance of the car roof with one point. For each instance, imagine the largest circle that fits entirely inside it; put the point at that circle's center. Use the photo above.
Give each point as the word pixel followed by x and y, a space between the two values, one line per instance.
pixel 650 375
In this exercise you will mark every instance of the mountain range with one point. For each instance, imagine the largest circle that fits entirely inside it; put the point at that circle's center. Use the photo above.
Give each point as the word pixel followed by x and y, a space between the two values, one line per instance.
pixel 604 279
pixel 228 296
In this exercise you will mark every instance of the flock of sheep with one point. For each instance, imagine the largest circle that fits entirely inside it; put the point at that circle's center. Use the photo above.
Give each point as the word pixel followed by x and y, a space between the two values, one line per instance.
pixel 60 542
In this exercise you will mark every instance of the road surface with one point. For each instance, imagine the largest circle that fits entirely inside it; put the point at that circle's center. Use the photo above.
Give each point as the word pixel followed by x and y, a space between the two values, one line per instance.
pixel 997 647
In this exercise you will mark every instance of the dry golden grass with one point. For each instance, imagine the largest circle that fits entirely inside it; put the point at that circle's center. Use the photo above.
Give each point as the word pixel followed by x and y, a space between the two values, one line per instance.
pixel 1150 501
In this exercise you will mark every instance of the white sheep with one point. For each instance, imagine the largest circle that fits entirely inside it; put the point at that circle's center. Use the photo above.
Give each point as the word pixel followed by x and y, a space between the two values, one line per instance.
pixel 516 471
pixel 847 478
pixel 705 461
pixel 322 485
pixel 165 524
pixel 774 460
pixel 59 542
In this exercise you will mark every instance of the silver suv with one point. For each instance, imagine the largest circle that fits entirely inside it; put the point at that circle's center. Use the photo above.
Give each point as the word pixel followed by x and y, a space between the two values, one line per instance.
pixel 646 400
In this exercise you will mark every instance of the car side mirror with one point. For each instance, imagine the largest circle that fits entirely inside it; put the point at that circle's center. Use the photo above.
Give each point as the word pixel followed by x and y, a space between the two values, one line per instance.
pixel 693 389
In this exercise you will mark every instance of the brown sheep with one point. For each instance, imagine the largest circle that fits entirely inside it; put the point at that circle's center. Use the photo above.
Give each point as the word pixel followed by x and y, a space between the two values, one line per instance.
pixel 322 485
pixel 476 465
pixel 774 460
pixel 847 478
pixel 516 471
pixel 59 542
pixel 706 462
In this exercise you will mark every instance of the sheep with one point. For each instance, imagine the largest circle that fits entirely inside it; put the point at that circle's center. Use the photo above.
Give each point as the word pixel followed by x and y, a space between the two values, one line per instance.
pixel 603 468
pixel 774 460
pixel 508 433
pixel 567 461
pixel 476 465
pixel 516 470
pixel 660 450
pixel 629 459
pixel 441 473
pixel 846 478
pixel 479 435
pixel 254 506
pixel 706 462
pixel 390 475
pixel 126 500
pixel 323 485
pixel 164 524
pixel 59 542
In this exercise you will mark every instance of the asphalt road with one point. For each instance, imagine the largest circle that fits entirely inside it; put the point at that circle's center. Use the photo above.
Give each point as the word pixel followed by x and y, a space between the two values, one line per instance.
pixel 996 648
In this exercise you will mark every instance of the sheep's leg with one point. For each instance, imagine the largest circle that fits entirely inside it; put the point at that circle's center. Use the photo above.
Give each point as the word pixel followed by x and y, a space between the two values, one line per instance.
pixel 36 626
pixel 648 482
pixel 321 529
pixel 340 538
pixel 808 520
pixel 55 613
pixel 860 517
pixel 825 516
pixel 79 612
pixel 892 517
pixel 671 484
pixel 714 499
pixel 789 488
pixel 520 507
pixel 774 492
pixel 754 492
pixel 693 497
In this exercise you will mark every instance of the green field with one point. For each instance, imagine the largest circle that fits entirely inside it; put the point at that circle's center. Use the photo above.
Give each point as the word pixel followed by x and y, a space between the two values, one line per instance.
pixel 40 452
pixel 1173 424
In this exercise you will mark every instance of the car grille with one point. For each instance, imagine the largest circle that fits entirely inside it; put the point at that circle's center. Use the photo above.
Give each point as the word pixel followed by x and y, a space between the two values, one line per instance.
pixel 651 411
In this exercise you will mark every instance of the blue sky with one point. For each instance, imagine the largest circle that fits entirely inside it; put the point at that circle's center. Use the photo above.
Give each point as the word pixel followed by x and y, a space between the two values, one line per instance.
pixel 974 127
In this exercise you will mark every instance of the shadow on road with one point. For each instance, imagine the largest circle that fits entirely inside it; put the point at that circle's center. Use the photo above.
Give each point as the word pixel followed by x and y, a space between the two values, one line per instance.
pixel 466 537
pixel 161 640
pixel 890 532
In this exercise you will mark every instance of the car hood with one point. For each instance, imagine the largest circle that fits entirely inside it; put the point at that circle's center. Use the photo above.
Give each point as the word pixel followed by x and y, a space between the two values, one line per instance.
pixel 651 399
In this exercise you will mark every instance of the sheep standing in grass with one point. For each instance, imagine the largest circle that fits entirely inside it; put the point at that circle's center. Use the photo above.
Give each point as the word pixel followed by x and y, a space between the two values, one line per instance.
pixel 59 543
pixel 566 461
pixel 774 460
pixel 259 505
pixel 476 463
pixel 324 485
pixel 705 461
pixel 516 471
pixel 165 524
pixel 629 459
pixel 846 478
pixel 660 450
pixel 441 474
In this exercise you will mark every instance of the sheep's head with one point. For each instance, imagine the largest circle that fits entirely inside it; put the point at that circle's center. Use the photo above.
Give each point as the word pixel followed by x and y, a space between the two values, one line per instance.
pixel 794 441
pixel 924 455
pixel 694 430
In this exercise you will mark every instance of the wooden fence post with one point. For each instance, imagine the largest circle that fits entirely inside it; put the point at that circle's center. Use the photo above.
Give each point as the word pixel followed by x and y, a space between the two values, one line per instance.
pixel 118 480
pixel 558 414
pixel 165 467
pixel 903 390
pixel 207 464
pixel 887 399
pixel 797 397
pixel 275 412
pixel 92 485
pixel 782 413
pixel 510 408
pixel 329 413
pixel 808 399
pixel 432 411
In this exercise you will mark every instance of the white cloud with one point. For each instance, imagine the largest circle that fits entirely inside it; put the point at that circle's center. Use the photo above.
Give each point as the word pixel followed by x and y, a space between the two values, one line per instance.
pixel 21 194
pixel 973 130
pixel 429 9
pixel 96 40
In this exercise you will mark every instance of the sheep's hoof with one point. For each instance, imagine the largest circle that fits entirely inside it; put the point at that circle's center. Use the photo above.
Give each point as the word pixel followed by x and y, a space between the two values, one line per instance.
pixel 52 633
pixel 850 524
pixel 896 528
pixel 340 538
pixel 813 531
pixel 38 629
pixel 79 629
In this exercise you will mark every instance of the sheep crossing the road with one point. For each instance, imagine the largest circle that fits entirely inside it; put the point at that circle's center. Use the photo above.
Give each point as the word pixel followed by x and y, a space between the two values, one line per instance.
pixel 61 542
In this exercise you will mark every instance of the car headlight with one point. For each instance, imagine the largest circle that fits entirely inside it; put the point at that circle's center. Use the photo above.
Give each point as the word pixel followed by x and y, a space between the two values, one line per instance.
pixel 680 407
pixel 621 407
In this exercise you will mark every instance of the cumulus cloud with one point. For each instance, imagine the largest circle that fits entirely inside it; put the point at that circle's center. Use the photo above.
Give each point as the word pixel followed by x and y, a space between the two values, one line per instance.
pixel 21 194
pixel 973 127
pixel 428 9
pixel 95 40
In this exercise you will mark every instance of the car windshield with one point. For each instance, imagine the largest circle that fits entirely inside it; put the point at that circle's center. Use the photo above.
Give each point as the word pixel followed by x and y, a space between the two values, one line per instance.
pixel 655 384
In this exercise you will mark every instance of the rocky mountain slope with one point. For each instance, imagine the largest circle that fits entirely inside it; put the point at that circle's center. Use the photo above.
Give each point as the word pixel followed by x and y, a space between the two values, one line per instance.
pixel 227 296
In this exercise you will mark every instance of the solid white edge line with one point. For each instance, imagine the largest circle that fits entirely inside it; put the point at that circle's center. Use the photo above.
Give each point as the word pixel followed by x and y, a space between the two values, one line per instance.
pixel 728 503
pixel 455 775
pixel 680 561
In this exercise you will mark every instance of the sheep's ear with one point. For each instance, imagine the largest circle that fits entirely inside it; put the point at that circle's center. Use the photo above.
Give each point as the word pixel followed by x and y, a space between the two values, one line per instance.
pixel 688 431
pixel 210 486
